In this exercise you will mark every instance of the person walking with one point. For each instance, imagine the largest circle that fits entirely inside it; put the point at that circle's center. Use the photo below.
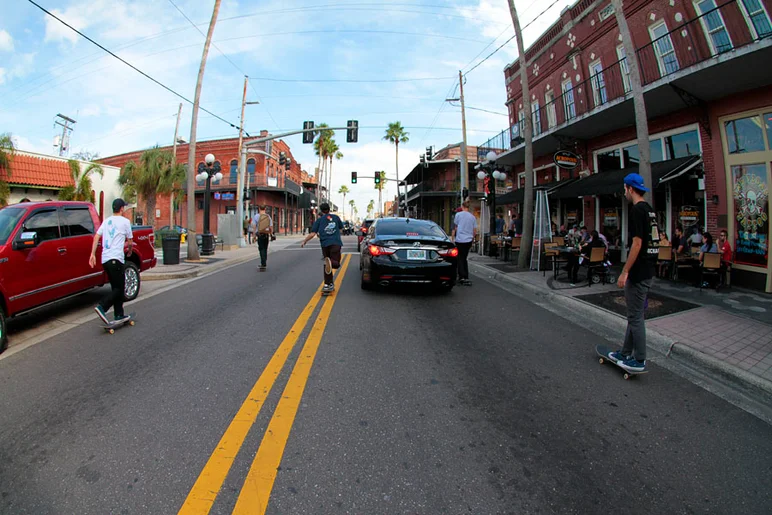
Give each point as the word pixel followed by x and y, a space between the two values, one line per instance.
pixel 636 276
pixel 114 232
pixel 464 234
pixel 264 228
pixel 328 227
pixel 247 235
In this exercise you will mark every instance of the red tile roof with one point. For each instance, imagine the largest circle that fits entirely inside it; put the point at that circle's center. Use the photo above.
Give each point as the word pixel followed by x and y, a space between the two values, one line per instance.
pixel 37 170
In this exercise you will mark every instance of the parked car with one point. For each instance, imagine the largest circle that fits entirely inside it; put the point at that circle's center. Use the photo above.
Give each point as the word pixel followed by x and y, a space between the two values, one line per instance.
pixel 362 232
pixel 407 251
pixel 44 252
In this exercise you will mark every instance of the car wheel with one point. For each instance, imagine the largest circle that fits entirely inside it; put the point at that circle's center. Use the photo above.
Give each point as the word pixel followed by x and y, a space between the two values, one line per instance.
pixel 364 284
pixel 131 281
pixel 3 335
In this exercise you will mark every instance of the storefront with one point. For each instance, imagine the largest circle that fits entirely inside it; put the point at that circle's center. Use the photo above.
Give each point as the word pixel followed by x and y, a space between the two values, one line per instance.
pixel 747 139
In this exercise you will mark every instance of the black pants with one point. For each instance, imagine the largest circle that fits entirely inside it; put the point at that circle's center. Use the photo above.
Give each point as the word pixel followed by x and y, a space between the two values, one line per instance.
pixel 262 246
pixel 463 255
pixel 573 267
pixel 114 298
pixel 332 252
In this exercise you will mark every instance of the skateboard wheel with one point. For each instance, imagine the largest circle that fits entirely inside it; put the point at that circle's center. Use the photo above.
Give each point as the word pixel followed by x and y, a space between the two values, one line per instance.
pixel 112 331
pixel 627 376
pixel 131 322
pixel 601 361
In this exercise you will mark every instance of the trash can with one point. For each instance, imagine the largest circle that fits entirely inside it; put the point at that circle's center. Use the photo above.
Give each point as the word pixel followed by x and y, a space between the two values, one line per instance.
pixel 207 244
pixel 171 249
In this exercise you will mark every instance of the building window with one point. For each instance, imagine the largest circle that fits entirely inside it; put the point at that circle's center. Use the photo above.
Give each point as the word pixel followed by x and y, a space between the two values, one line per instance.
pixel 682 145
pixel 751 207
pixel 744 135
pixel 568 100
pixel 536 118
pixel 521 123
pixel 609 160
pixel 251 170
pixel 606 13
pixel 663 47
pixel 768 123
pixel 713 24
pixel 549 100
pixel 200 166
pixel 216 165
pixel 598 84
pixel 631 156
pixel 624 68
pixel 757 17
pixel 234 178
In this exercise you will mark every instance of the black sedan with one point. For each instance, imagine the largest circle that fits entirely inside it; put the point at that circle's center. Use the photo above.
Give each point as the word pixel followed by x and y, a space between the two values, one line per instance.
pixel 407 251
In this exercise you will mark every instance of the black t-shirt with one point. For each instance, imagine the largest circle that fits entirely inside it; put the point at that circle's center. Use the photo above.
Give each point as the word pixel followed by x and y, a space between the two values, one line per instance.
pixel 643 224
pixel 675 243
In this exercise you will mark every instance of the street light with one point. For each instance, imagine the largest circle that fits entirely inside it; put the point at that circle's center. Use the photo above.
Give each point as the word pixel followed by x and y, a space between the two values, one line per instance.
pixel 487 170
pixel 205 173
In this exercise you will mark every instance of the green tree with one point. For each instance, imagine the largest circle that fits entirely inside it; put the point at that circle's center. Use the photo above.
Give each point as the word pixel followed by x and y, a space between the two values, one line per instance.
pixel 153 174
pixel 7 152
pixel 396 134
pixel 343 190
pixel 352 204
pixel 81 186
pixel 380 187
pixel 322 150
pixel 370 207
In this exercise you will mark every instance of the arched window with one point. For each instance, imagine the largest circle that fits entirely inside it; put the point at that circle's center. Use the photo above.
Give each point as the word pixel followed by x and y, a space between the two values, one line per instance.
pixel 251 170
pixel 216 164
pixel 234 172
pixel 199 183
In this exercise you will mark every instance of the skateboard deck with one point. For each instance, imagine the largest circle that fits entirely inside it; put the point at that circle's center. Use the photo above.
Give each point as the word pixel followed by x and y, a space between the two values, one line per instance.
pixel 112 326
pixel 603 352
pixel 261 268
pixel 327 293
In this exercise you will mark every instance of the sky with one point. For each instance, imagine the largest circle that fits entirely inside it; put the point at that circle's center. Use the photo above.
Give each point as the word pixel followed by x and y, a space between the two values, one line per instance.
pixel 327 61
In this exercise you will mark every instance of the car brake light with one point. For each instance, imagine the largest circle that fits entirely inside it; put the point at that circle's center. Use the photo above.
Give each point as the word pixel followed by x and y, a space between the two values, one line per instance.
pixel 449 252
pixel 375 250
pixel 364 230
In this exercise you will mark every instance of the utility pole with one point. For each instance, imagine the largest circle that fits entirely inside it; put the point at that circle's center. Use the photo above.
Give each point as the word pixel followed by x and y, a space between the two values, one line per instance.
pixel 240 181
pixel 64 141
pixel 193 253
pixel 464 158
pixel 174 162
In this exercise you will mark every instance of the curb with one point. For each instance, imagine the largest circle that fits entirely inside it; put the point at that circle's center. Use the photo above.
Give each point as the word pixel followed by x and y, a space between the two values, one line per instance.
pixel 656 341
pixel 198 271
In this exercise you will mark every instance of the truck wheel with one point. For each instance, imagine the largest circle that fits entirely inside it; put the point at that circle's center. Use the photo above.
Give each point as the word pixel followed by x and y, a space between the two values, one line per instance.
pixel 132 281
pixel 3 335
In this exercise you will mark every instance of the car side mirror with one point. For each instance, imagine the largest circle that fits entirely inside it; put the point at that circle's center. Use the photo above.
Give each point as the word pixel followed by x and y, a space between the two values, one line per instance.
pixel 27 240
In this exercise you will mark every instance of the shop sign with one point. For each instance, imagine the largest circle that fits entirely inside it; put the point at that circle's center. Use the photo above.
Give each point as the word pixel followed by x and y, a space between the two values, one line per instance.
pixel 688 216
pixel 566 159
pixel 571 216
pixel 751 213
pixel 610 216
pixel 229 196
pixel 273 182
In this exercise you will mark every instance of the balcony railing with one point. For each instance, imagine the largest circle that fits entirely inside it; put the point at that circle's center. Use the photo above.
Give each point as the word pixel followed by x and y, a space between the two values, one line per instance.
pixel 727 27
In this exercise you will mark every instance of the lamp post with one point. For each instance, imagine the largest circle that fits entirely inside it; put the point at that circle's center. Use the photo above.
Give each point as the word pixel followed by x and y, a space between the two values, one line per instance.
pixel 487 170
pixel 205 173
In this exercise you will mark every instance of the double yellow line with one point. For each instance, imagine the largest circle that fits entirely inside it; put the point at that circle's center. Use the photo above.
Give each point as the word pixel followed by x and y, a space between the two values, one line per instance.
pixel 257 487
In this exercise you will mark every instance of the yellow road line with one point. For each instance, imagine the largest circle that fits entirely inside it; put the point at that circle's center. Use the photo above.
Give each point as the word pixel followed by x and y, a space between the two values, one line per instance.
pixel 209 482
pixel 256 491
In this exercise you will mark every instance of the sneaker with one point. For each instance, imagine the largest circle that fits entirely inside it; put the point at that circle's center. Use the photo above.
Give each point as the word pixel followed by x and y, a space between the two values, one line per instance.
pixel 618 356
pixel 633 365
pixel 465 282
pixel 102 314
pixel 119 318
pixel 328 287
pixel 327 266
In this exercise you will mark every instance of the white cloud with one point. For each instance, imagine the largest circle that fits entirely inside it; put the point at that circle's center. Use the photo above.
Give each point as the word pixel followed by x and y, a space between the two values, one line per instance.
pixel 28 145
pixel 57 32
pixel 6 42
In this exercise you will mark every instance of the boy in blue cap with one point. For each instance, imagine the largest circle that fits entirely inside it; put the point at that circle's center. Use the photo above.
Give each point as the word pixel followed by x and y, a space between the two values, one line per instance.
pixel 636 276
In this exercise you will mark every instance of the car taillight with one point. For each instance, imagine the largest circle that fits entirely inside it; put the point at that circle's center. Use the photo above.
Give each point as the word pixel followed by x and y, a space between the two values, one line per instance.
pixel 375 250
pixel 449 252
pixel 364 230
pixel 152 239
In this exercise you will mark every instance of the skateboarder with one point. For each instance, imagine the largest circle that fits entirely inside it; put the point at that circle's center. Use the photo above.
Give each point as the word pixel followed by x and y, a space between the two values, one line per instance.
pixel 636 276
pixel 328 226
pixel 264 229
pixel 115 231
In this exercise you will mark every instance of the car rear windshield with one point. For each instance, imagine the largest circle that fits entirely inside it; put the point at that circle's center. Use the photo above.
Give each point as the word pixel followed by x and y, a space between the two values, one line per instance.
pixel 9 217
pixel 413 229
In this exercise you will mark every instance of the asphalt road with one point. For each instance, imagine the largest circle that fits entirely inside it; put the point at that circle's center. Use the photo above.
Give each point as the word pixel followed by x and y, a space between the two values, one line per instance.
pixel 388 402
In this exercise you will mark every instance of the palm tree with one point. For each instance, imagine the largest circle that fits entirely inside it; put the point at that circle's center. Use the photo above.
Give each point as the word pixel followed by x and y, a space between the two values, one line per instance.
pixel 351 203
pixel 396 134
pixel 81 186
pixel 321 148
pixel 343 190
pixel 173 184
pixel 380 187
pixel 334 153
pixel 7 151
pixel 370 207
pixel 152 175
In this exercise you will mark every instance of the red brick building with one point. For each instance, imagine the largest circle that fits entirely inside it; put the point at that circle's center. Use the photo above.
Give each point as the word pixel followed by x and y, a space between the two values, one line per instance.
pixel 284 192
pixel 704 66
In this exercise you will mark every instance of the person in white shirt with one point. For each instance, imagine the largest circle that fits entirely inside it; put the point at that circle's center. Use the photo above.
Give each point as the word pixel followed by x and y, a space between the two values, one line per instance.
pixel 115 232
pixel 464 233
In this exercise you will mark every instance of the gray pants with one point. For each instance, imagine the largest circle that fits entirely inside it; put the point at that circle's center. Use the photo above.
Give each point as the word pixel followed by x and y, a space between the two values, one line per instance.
pixel 635 336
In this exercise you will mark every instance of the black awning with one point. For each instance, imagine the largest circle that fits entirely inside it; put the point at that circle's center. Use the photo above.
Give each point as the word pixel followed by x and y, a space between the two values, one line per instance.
pixel 518 196
pixel 609 183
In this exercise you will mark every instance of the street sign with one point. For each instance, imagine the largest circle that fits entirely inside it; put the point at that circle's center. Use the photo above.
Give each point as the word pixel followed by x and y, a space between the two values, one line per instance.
pixel 566 159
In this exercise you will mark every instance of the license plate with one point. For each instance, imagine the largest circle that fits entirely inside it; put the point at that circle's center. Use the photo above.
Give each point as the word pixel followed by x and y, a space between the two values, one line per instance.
pixel 416 254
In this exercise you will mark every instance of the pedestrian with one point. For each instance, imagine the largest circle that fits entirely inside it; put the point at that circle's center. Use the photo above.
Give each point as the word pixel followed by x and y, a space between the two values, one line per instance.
pixel 636 276
pixel 464 234
pixel 517 223
pixel 500 224
pixel 263 231
pixel 328 226
pixel 115 232
pixel 246 224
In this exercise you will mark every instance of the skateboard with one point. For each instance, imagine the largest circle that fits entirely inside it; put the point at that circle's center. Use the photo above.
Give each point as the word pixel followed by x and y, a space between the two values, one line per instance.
pixel 603 352
pixel 112 326
pixel 261 268
pixel 327 293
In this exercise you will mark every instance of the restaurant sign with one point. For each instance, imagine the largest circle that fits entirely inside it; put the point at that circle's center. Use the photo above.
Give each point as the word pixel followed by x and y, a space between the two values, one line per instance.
pixel 566 159
pixel 688 216
pixel 571 216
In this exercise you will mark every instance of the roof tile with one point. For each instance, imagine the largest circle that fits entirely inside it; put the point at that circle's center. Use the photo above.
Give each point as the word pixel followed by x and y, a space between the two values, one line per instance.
pixel 36 170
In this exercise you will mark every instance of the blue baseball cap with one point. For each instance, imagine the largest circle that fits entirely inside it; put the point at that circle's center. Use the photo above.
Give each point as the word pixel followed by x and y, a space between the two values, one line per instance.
pixel 635 181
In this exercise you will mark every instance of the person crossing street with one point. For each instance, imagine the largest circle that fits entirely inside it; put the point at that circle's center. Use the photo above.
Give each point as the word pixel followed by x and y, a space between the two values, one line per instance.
pixel 328 227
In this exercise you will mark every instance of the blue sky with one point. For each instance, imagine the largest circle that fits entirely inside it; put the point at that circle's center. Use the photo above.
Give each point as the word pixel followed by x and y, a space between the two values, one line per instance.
pixel 303 46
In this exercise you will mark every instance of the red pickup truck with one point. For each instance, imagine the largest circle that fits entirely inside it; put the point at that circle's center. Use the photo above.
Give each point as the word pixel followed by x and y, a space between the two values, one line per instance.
pixel 44 251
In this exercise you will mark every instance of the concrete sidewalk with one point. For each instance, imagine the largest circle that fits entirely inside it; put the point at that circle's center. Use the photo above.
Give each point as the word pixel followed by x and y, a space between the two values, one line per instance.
pixel 730 331
pixel 220 259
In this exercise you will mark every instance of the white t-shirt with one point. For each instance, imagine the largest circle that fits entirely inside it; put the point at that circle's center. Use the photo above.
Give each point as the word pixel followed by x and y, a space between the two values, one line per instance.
pixel 114 232
pixel 465 223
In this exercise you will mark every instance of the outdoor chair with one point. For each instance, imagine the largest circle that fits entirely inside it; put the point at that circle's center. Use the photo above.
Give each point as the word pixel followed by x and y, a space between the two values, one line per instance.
pixel 597 264
pixel 550 253
pixel 666 256
pixel 559 240
pixel 515 247
pixel 711 265
pixel 680 262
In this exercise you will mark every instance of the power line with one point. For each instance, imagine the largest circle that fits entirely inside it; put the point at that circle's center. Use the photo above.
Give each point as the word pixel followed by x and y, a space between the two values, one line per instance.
pixel 167 88
pixel 479 109
pixel 357 81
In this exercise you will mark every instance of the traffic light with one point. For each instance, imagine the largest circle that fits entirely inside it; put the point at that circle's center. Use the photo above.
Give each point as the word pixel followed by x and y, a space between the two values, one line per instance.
pixel 428 153
pixel 352 133
pixel 378 177
pixel 287 164
pixel 353 177
pixel 308 137
pixel 282 158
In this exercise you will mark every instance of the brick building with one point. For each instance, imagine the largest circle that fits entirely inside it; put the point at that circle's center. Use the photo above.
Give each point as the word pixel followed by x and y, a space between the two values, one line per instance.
pixel 286 193
pixel 705 73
